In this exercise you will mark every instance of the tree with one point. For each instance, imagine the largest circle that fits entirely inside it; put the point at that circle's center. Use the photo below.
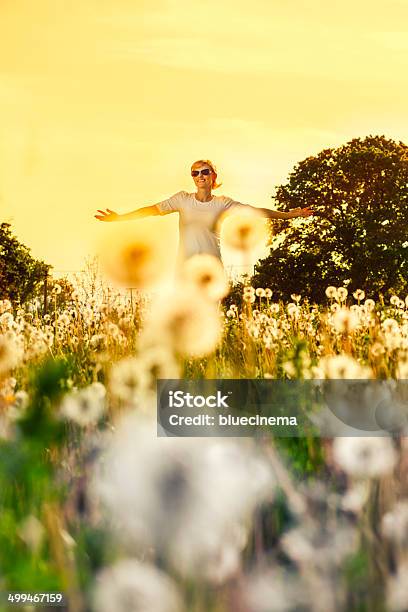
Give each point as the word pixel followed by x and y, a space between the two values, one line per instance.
pixel 359 234
pixel 20 274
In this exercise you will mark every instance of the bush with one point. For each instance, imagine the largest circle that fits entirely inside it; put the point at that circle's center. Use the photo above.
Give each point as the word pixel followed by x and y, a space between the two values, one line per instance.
pixel 21 276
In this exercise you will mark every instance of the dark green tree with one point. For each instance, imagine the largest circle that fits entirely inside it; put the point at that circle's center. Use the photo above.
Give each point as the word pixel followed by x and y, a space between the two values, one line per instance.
pixel 359 233
pixel 21 276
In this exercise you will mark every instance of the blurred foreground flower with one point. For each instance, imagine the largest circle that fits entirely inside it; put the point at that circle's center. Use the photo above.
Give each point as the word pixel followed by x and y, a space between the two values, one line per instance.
pixel 32 532
pixel 85 407
pixel 10 353
pixel 341 367
pixel 184 322
pixel 245 232
pixel 397 589
pixel 365 457
pixel 130 379
pixel 135 259
pixel 395 524
pixel 206 274
pixel 314 544
pixel 345 320
pixel 187 498
pixel 276 590
pixel 131 586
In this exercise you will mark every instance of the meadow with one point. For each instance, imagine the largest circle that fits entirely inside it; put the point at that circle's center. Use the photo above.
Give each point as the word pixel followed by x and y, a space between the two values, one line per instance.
pixel 95 505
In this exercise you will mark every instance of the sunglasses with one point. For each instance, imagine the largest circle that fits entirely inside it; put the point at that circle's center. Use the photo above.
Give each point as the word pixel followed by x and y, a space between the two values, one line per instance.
pixel 204 172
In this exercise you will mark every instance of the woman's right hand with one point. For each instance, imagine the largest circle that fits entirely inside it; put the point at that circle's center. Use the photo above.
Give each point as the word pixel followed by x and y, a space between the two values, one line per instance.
pixel 109 215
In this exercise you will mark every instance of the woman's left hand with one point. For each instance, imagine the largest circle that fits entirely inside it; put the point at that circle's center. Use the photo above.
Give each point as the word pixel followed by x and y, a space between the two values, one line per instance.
pixel 303 212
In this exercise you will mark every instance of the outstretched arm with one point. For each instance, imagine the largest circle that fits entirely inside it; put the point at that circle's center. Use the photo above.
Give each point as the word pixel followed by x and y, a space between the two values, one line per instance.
pixel 146 211
pixel 296 212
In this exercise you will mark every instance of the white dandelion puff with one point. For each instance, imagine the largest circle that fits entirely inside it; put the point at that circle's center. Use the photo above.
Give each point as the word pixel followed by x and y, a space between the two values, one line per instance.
pixel 359 295
pixel 397 589
pixel 206 274
pixel 342 293
pixel 331 293
pixel 127 380
pixel 390 326
pixel 345 320
pixel 365 457
pixel 32 532
pixel 131 586
pixel 182 499
pixel 136 258
pixel 369 305
pixel 245 232
pixel 342 367
pixel 187 323
pixel 394 525
pixel 10 353
pixel 84 407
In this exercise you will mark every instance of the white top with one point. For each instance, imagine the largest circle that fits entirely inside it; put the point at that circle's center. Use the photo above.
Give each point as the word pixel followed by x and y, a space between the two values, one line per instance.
pixel 199 230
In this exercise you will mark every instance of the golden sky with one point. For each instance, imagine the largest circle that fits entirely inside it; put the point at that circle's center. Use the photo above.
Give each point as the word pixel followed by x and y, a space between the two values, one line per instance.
pixel 106 103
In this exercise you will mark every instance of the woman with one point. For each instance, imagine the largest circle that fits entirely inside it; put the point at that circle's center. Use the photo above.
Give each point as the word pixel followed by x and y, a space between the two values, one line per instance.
pixel 199 212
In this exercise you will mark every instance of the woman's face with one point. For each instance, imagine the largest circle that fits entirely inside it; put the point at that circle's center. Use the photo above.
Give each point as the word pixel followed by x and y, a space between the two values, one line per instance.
pixel 202 180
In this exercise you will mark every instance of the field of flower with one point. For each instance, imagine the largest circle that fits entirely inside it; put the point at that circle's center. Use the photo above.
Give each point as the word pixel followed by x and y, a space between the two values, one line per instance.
pixel 95 505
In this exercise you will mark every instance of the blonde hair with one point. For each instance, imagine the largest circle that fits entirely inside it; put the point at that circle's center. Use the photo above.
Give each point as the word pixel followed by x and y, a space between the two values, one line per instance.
pixel 213 168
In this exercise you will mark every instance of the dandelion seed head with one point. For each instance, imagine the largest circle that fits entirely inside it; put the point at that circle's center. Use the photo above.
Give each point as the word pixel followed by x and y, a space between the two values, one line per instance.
pixel 316 544
pixel 369 305
pixel 206 274
pixel 84 407
pixel 365 457
pixel 131 586
pixel 5 305
pixel 342 367
pixel 275 590
pixel 127 380
pixel 32 532
pixel 293 311
pixel 394 525
pixel 188 324
pixel 356 497
pixel 397 589
pixel 244 232
pixel 6 320
pixel 180 498
pixel 359 294
pixel 135 259
pixel 377 349
pixel 345 320
pixel 390 326
pixel 10 353
pixel 402 368
pixel 342 293
pixel 331 293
